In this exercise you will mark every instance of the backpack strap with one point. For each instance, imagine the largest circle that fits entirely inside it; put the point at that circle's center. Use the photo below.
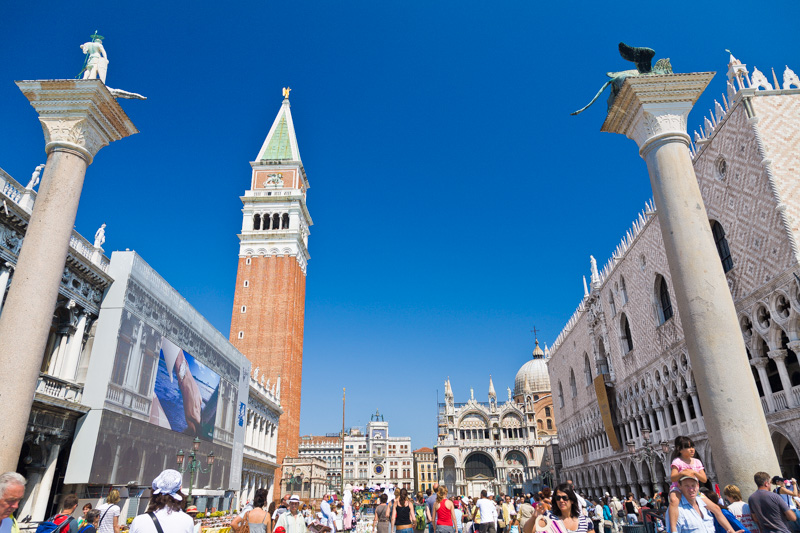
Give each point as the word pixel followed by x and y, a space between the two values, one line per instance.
pixel 155 522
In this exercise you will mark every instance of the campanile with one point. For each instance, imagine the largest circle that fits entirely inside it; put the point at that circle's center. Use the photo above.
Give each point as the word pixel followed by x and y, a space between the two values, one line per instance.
pixel 269 302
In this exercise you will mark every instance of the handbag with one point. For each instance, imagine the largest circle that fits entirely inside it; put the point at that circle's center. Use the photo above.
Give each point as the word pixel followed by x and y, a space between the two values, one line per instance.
pixel 244 526
pixel 621 513
pixel 550 525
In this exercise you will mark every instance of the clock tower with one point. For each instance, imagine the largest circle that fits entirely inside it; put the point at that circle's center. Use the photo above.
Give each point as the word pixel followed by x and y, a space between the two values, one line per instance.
pixel 269 301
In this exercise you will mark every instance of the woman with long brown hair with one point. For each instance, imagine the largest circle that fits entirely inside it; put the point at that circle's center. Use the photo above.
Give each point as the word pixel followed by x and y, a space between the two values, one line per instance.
pixel 403 518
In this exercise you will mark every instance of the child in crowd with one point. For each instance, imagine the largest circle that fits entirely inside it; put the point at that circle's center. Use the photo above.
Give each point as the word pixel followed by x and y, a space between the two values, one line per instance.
pixel 513 525
pixel 685 463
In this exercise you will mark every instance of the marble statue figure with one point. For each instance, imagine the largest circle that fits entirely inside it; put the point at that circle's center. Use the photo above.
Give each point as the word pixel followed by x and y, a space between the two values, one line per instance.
pixel 96 64
pixel 35 177
pixel 100 236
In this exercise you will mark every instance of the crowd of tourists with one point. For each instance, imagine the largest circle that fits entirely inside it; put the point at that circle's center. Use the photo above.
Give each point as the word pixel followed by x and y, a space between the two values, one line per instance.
pixel 688 507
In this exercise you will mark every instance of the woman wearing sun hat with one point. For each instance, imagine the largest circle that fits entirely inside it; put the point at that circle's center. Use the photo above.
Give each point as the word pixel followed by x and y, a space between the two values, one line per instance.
pixel 165 511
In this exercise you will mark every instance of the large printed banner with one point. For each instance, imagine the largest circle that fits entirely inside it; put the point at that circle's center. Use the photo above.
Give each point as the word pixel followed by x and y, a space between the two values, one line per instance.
pixel 186 393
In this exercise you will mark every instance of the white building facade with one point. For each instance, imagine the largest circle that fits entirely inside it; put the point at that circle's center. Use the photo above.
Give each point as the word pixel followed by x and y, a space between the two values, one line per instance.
pixel 260 442
pixel 494 446
pixel 374 457
pixel 327 448
pixel 623 354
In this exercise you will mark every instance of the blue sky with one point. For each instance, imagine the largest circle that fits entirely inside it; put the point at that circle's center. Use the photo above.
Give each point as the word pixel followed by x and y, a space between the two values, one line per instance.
pixel 455 201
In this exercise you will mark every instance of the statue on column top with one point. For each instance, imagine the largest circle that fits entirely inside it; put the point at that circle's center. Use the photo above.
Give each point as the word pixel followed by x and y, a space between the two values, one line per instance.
pixel 100 236
pixel 96 64
pixel 642 57
pixel 35 177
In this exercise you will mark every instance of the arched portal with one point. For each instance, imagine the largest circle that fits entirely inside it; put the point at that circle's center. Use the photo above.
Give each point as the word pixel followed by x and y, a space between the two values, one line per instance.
pixel 449 474
pixel 787 456
pixel 480 473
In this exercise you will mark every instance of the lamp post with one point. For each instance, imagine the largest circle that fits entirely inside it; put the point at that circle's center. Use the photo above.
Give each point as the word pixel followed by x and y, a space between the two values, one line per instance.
pixel 193 464
pixel 649 453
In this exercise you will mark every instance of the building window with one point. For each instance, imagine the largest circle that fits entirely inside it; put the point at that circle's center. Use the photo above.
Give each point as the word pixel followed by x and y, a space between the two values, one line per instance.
pixel 560 394
pixel 256 222
pixel 246 283
pixel 587 369
pixel 244 309
pixel 723 249
pixel 573 387
pixel 276 221
pixel 247 261
pixel 549 424
pixel 663 301
pixel 241 334
pixel 612 308
pixel 625 334
pixel 623 292
pixel 285 221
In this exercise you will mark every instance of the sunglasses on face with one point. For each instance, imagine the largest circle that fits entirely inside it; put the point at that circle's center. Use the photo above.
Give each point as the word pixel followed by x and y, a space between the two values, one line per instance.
pixel 560 498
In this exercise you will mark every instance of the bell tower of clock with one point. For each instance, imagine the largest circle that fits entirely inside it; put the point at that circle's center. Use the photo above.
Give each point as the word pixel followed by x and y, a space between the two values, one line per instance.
pixel 269 301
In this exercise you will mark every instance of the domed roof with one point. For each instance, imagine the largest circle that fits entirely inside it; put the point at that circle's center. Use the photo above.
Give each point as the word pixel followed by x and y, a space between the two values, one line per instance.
pixel 533 376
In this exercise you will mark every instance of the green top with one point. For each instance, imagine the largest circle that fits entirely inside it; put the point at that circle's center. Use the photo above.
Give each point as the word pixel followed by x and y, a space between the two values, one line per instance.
pixel 279 146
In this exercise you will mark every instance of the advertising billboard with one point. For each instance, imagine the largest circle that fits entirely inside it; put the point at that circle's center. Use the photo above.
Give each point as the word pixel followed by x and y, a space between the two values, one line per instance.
pixel 186 393
pixel 160 376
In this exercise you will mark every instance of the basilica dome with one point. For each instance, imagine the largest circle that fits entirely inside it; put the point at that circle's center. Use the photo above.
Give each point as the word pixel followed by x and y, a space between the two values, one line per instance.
pixel 533 376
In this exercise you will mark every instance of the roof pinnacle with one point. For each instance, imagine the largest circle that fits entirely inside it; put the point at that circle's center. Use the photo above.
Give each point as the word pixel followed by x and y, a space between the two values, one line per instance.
pixel 286 91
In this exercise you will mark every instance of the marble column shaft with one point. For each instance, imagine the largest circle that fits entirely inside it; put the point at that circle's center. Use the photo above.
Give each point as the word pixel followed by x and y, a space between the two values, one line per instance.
pixel 78 118
pixel 652 110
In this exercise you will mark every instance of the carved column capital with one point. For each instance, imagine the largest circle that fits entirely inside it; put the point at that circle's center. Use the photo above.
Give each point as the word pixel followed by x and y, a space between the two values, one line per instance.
pixel 651 108
pixel 777 355
pixel 794 346
pixel 77 115
pixel 760 362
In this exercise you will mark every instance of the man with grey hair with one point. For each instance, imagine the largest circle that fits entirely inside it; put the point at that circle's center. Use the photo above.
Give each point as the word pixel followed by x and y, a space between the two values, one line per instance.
pixel 12 490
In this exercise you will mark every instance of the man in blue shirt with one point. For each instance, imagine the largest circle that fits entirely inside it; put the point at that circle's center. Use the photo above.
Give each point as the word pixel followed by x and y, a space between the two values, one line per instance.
pixel 693 515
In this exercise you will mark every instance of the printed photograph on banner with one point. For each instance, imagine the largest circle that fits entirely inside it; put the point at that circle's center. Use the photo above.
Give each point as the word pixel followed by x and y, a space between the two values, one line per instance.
pixel 186 393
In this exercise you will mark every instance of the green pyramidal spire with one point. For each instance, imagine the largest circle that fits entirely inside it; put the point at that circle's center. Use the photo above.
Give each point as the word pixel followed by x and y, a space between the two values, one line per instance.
pixel 281 143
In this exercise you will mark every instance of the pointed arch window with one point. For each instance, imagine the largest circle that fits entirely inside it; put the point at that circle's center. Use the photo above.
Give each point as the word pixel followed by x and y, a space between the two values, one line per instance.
pixel 626 339
pixel 256 222
pixel 723 249
pixel 560 395
pixel 623 291
pixel 587 369
pixel 572 385
pixel 663 300
pixel 612 308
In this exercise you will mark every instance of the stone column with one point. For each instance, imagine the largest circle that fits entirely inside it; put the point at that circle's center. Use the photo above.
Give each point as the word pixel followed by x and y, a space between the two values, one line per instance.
pixel 652 110
pixel 5 273
pixel 761 366
pixel 685 404
pixel 43 494
pixel 74 349
pixel 779 356
pixel 662 423
pixel 78 117
pixel 696 403
pixel 651 416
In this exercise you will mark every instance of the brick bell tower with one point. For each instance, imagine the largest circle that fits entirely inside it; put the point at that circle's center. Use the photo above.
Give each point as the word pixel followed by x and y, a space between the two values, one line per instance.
pixel 269 302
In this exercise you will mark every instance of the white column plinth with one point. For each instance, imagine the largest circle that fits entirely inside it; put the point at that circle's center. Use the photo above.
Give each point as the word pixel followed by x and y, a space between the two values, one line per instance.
pixel 652 110
pixel 78 117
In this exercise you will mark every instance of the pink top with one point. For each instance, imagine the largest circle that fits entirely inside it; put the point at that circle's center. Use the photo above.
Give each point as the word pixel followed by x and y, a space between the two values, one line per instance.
pixel 682 465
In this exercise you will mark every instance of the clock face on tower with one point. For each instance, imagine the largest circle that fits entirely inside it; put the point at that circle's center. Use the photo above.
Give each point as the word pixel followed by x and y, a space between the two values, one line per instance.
pixel 378 469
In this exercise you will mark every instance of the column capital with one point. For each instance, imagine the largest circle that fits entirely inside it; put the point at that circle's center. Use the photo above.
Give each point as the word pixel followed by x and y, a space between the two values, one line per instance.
pixel 794 346
pixel 760 362
pixel 654 107
pixel 777 355
pixel 77 115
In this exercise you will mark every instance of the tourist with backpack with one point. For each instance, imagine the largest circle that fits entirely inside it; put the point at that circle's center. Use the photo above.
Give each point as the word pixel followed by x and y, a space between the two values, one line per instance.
pixel 421 516
pixel 165 510
pixel 63 522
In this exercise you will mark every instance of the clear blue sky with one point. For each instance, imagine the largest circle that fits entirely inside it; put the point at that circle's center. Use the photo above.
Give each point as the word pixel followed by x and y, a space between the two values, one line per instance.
pixel 455 201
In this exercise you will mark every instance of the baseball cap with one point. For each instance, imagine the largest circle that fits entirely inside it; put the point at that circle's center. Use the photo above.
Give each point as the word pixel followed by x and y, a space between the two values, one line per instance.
pixel 687 476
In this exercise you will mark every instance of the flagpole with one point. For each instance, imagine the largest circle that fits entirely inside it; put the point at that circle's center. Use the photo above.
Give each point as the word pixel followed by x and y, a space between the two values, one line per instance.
pixel 344 391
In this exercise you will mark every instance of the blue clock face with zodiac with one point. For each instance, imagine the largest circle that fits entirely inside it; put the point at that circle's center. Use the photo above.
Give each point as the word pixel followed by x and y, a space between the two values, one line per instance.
pixel 378 469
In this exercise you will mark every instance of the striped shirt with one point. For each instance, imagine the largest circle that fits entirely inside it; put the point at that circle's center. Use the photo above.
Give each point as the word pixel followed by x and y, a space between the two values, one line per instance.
pixel 584 523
